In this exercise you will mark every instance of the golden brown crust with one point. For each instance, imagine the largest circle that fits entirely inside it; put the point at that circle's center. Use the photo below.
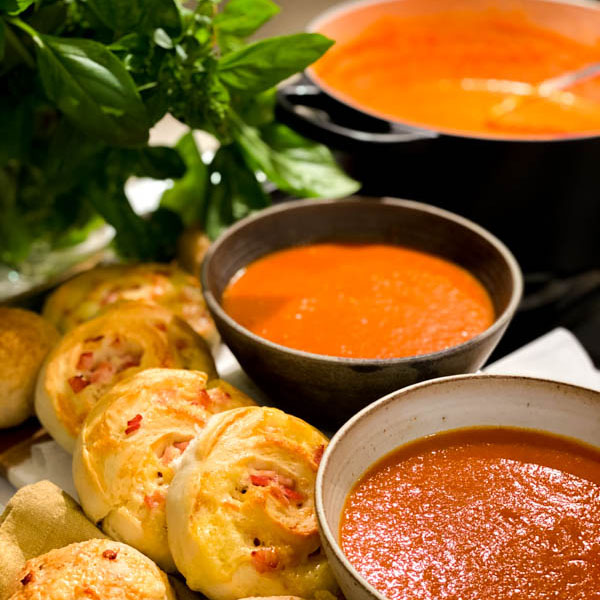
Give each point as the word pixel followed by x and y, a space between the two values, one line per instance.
pixel 132 442
pixel 241 512
pixel 88 294
pixel 95 569
pixel 25 339
pixel 125 339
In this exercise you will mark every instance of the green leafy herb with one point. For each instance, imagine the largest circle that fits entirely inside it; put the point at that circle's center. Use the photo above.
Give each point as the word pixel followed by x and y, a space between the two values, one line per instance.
pixel 263 64
pixel 83 81
pixel 295 164
pixel 93 89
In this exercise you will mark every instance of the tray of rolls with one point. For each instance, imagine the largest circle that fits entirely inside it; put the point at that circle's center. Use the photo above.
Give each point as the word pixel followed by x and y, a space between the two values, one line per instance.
pixel 182 478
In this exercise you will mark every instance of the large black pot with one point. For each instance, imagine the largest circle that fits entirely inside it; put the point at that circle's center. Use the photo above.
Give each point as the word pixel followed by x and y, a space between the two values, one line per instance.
pixel 542 197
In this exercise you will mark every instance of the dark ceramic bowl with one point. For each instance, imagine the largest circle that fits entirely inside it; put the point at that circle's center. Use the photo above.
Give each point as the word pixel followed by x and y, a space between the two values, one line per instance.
pixel 328 390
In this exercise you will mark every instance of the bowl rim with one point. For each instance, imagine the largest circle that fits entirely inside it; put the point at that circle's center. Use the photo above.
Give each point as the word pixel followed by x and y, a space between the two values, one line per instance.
pixel 423 129
pixel 396 395
pixel 499 323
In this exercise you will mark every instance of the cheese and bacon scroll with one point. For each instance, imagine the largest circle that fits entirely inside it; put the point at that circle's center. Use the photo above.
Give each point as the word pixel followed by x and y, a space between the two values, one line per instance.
pixel 240 510
pixel 131 444
pixel 86 295
pixel 93 569
pixel 127 338
pixel 25 339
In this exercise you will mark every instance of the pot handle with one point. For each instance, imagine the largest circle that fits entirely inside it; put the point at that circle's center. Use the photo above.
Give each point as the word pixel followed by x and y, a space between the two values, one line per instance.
pixel 305 107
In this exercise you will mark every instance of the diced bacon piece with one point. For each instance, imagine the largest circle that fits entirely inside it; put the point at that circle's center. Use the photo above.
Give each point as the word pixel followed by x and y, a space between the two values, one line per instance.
pixel 173 451
pixel 27 579
pixel 110 554
pixel 263 478
pixel 133 424
pixel 77 383
pixel 103 372
pixel 154 500
pixel 319 453
pixel 265 559
pixel 170 453
pixel 85 361
pixel 293 495
pixel 181 446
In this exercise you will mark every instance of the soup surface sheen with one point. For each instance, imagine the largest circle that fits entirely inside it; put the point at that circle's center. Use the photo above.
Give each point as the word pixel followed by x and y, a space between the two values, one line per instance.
pixel 359 300
pixel 450 71
pixel 473 514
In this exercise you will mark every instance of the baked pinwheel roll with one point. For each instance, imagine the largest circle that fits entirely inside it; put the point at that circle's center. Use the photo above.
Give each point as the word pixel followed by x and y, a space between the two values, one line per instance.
pixel 127 338
pixel 131 444
pixel 86 295
pixel 25 339
pixel 240 510
pixel 94 569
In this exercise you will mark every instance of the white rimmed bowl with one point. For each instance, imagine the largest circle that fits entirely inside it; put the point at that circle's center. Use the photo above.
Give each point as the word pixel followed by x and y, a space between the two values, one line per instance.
pixel 430 407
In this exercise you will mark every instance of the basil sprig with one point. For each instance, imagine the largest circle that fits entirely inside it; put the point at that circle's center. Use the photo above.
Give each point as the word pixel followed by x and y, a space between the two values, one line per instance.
pixel 83 81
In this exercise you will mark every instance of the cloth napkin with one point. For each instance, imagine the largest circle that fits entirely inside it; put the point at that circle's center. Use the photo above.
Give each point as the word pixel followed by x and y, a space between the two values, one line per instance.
pixel 39 518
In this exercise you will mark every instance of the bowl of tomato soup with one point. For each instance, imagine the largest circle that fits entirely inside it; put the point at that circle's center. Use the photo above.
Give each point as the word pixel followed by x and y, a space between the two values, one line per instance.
pixel 329 304
pixel 466 487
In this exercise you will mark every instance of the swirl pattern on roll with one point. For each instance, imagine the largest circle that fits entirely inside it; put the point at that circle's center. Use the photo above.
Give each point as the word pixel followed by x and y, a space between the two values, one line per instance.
pixel 86 295
pixel 131 444
pixel 125 339
pixel 240 510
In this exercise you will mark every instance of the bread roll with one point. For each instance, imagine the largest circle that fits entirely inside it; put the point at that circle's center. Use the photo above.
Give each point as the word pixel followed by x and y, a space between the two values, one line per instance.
pixel 240 510
pixel 86 295
pixel 25 339
pixel 127 338
pixel 129 448
pixel 95 569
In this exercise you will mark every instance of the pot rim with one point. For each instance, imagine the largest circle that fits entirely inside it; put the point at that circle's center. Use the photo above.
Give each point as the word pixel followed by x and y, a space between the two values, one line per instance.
pixel 499 323
pixel 324 528
pixel 423 129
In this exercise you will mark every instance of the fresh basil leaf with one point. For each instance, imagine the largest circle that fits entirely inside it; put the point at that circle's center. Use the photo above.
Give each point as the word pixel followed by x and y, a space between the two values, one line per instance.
pixel 93 89
pixel 187 197
pixel 259 109
pixel 15 7
pixel 243 17
pixel 138 15
pixel 234 193
pixel 166 227
pixel 263 64
pixel 295 164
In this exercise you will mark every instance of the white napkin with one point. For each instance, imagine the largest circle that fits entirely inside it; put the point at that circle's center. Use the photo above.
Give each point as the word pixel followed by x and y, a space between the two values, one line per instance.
pixel 557 355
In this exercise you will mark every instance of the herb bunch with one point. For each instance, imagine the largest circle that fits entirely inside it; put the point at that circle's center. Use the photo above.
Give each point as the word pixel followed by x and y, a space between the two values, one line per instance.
pixel 83 81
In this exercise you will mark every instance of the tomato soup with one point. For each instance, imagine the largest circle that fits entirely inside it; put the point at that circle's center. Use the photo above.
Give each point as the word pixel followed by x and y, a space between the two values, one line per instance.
pixel 479 514
pixel 359 300
pixel 462 71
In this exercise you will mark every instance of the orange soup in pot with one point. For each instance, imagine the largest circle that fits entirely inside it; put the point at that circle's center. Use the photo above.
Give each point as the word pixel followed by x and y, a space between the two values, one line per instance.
pixel 359 300
pixel 482 513
pixel 472 72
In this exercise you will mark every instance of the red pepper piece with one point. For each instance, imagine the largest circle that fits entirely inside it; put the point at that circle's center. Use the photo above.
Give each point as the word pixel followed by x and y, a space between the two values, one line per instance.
pixel 133 424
